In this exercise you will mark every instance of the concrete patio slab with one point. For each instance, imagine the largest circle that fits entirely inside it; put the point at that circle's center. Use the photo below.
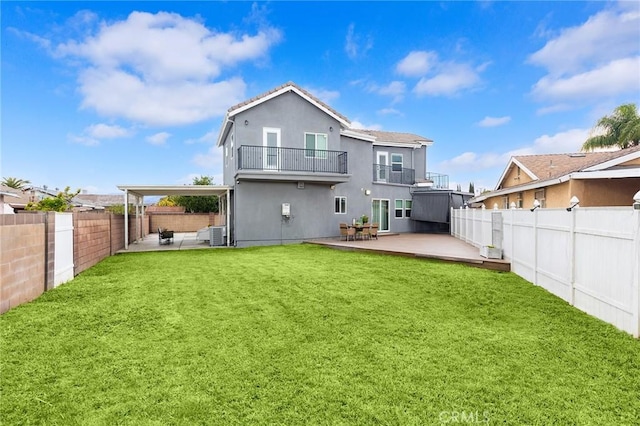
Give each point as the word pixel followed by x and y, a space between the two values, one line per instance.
pixel 432 246
pixel 181 241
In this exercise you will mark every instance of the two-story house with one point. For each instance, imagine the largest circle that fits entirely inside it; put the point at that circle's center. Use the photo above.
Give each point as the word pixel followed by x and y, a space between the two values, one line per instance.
pixel 298 170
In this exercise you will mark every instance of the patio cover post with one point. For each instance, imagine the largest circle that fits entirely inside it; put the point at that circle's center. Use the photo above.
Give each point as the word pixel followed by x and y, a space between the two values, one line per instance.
pixel 137 218
pixel 126 219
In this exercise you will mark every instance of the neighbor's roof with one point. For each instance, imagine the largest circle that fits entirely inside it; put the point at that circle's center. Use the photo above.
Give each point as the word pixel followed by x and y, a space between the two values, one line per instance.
pixel 550 166
pixel 104 200
pixel 551 169
pixel 144 190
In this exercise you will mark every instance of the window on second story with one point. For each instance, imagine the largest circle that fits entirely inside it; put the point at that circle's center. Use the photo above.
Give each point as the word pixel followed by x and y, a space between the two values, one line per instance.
pixel 396 162
pixel 231 145
pixel 315 145
pixel 399 209
pixel 340 205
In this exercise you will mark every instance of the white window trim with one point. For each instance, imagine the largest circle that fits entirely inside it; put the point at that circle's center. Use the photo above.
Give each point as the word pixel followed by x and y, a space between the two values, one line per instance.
pixel 395 162
pixel 316 145
pixel 345 204
pixel 410 209
pixel 395 208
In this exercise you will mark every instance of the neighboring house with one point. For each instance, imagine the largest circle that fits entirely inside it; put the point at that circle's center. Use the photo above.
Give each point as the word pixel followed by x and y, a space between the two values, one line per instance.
pixel 298 170
pixel 596 178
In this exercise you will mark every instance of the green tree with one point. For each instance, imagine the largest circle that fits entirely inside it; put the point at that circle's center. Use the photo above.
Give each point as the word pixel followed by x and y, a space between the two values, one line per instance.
pixel 458 188
pixel 620 129
pixel 15 183
pixel 59 203
pixel 472 188
pixel 198 204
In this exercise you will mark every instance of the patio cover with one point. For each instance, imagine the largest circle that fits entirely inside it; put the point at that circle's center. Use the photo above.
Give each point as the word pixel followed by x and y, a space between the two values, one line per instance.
pixel 140 191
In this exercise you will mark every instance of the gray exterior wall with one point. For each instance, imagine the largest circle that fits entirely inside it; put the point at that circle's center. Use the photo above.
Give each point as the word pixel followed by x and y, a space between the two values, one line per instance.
pixel 257 205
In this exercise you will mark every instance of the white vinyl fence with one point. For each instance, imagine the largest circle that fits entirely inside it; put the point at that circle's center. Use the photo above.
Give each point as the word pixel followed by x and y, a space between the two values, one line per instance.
pixel 589 257
pixel 63 257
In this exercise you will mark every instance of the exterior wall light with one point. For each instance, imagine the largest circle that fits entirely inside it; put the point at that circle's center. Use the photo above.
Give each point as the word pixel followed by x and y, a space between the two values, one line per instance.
pixel 536 204
pixel 367 192
pixel 575 202
pixel 331 128
pixel 246 122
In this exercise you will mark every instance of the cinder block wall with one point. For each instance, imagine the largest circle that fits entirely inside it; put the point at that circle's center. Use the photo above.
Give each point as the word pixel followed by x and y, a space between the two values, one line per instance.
pixel 91 239
pixel 22 264
pixel 186 222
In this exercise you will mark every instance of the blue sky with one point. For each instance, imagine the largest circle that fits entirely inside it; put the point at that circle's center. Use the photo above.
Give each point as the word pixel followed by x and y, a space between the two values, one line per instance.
pixel 96 94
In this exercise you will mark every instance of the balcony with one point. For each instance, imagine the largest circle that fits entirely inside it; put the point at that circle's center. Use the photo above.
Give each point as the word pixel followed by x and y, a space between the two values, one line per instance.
pixel 391 174
pixel 292 164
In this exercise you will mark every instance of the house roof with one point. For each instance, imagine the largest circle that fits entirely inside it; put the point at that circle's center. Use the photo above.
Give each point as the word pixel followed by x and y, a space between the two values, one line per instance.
pixel 104 200
pixel 550 166
pixel 287 87
pixel 375 136
pixel 397 137
pixel 550 169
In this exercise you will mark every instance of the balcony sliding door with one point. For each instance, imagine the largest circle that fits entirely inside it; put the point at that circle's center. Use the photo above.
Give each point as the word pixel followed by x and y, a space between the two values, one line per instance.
pixel 381 168
pixel 271 142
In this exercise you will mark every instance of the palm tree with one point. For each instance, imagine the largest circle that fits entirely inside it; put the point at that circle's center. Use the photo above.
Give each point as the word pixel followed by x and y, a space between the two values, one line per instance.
pixel 15 183
pixel 621 129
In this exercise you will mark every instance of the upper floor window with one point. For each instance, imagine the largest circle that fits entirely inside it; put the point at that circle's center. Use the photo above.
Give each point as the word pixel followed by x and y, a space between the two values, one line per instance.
pixel 231 145
pixel 340 205
pixel 315 145
pixel 396 162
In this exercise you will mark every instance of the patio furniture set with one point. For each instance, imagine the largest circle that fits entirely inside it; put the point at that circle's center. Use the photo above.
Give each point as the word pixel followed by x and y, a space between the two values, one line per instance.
pixel 358 232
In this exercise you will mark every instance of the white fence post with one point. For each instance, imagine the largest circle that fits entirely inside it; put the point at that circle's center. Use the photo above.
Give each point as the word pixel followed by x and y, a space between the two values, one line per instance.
pixel 636 268
pixel 572 258
pixel 63 255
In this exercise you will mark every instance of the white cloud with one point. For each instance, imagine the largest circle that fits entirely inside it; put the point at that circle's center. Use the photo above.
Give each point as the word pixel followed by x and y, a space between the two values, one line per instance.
pixel 209 137
pixel 160 69
pixel 593 61
pixel 93 134
pixel 83 140
pixel 357 125
pixel 417 63
pixel 389 111
pixel 616 77
pixel 212 159
pixel 106 131
pixel 158 138
pixel 451 79
pixel 562 142
pixel 604 37
pixel 324 95
pixel 354 45
pixel 494 121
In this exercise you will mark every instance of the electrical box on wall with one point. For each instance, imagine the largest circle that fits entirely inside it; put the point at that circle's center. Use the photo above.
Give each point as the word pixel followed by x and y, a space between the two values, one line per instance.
pixel 286 209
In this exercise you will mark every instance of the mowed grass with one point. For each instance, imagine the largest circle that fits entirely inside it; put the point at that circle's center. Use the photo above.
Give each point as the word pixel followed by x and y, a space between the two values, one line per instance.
pixel 309 335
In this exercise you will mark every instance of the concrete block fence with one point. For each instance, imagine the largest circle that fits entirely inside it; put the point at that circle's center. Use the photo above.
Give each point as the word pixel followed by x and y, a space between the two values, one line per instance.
pixel 39 251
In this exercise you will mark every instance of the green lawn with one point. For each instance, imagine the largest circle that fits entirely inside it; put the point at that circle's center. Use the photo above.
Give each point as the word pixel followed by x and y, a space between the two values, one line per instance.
pixel 309 335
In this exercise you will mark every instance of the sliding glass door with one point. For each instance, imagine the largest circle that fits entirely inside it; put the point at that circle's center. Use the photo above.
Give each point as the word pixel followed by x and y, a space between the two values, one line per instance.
pixel 380 214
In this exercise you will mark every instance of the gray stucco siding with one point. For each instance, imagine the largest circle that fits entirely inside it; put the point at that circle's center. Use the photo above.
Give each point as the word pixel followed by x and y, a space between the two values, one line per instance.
pixel 291 114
